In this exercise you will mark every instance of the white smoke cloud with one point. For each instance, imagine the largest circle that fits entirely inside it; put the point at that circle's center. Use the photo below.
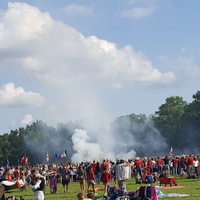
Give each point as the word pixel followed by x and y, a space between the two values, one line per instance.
pixel 86 149
pixel 27 120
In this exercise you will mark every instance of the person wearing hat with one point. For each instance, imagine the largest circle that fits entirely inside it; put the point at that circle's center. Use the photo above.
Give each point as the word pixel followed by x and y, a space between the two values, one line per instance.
pixel 37 184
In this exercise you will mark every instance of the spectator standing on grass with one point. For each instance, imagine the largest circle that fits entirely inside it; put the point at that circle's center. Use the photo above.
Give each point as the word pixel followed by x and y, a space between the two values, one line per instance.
pixel 104 164
pixel 150 164
pixel 43 173
pixel 53 179
pixel 37 184
pixel 97 173
pixel 196 164
pixel 93 165
pixel 159 163
pixel 166 164
pixel 90 179
pixel 190 166
pixel 74 173
pixel 81 175
pixel 65 177
pixel 8 175
pixel 71 174
pixel 175 165
pixel 139 165
pixel 198 168
pixel 105 178
pixel 16 173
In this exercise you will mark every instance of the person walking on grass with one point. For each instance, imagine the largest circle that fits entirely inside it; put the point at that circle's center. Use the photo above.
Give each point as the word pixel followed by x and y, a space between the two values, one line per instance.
pixel 65 175
pixel 81 173
pixel 97 173
pixel 105 178
pixel 37 184
pixel 90 179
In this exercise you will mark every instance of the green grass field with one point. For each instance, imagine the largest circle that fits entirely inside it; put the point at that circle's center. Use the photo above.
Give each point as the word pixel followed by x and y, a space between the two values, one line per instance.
pixel 191 187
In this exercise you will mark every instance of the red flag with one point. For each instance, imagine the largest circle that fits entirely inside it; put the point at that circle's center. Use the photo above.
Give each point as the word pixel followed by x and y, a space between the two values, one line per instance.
pixel 23 159
pixel 47 157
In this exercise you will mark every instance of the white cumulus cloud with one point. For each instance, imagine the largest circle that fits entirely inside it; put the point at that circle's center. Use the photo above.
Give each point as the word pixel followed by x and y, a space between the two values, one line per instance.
pixel 138 12
pixel 10 96
pixel 57 54
pixel 76 9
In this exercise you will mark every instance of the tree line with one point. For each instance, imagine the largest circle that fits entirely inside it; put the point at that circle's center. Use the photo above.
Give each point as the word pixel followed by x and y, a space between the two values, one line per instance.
pixel 176 124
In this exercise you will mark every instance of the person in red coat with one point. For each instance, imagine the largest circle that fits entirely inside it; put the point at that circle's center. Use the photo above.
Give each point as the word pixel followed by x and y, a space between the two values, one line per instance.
pixel 90 179
pixel 190 161
pixel 139 165
pixel 105 178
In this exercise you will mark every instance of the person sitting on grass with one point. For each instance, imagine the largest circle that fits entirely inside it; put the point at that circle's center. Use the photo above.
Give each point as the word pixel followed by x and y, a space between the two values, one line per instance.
pixel 149 179
pixel 90 195
pixel 138 179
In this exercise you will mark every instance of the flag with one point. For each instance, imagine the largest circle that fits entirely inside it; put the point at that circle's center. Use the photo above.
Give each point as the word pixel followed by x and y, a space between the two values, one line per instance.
pixel 171 152
pixel 26 161
pixel 47 157
pixel 7 162
pixel 57 156
pixel 23 159
pixel 64 154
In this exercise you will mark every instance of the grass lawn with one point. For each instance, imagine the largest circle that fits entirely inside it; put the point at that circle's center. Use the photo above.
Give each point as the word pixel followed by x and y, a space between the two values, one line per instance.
pixel 191 187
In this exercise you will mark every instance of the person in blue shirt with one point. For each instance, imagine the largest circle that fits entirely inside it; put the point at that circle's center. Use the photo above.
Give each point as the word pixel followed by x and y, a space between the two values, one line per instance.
pixel 149 179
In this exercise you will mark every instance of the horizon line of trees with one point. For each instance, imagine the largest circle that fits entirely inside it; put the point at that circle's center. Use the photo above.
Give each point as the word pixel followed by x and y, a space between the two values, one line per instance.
pixel 176 122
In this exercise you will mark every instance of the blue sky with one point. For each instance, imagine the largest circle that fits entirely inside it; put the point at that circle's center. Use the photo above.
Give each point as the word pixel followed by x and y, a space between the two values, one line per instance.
pixel 97 60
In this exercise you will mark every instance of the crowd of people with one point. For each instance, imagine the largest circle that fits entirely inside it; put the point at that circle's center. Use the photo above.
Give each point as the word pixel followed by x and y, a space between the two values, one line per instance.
pixel 89 174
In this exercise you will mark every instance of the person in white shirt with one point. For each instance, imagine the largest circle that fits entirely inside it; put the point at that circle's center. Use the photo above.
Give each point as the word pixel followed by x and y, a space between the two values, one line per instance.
pixel 37 184
pixel 196 164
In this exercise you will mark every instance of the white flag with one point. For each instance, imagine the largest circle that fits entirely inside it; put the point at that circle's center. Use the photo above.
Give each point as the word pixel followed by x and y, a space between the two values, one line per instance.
pixel 64 154
pixel 171 152
pixel 47 157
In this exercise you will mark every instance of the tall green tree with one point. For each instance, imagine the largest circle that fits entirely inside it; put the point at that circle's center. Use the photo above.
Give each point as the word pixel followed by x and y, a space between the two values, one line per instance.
pixel 169 117
pixel 191 123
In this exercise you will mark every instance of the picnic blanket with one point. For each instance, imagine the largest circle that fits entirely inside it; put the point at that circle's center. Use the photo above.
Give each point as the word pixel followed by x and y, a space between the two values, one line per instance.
pixel 141 193
pixel 10 185
pixel 162 195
